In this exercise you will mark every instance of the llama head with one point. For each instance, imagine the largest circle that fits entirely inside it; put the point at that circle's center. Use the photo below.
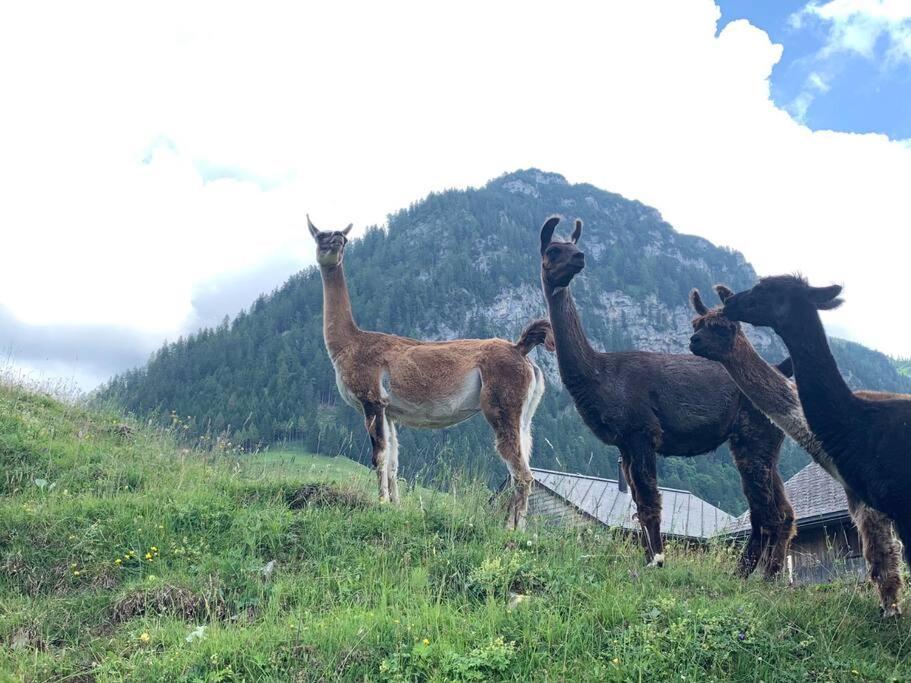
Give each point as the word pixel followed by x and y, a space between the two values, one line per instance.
pixel 713 333
pixel 330 245
pixel 560 261
pixel 780 302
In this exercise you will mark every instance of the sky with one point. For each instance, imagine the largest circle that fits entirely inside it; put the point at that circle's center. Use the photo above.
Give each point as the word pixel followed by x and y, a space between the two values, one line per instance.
pixel 156 162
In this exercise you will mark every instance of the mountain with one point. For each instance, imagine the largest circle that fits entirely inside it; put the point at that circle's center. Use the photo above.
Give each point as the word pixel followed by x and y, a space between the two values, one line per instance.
pixel 464 264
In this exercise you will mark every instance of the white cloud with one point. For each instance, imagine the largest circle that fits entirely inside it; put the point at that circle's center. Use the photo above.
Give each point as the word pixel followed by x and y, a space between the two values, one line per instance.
pixel 854 27
pixel 857 26
pixel 146 153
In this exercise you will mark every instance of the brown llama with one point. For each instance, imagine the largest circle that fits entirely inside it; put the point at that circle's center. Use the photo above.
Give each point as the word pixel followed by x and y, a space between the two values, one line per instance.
pixel 717 338
pixel 868 441
pixel 669 404
pixel 430 385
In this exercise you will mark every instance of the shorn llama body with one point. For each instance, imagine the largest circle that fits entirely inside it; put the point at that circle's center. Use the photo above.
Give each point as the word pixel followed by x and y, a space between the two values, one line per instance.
pixel 867 441
pixel 648 403
pixel 717 338
pixel 392 379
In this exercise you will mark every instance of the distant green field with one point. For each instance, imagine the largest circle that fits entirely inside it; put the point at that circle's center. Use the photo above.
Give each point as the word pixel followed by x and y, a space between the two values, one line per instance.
pixel 126 557
pixel 300 463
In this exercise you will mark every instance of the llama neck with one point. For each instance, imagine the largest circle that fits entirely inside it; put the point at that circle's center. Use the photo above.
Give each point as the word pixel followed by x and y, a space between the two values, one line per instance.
pixel 826 399
pixel 575 355
pixel 339 328
pixel 767 388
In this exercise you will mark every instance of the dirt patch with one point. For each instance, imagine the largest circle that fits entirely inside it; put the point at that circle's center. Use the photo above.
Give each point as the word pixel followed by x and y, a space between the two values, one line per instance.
pixel 169 600
pixel 123 430
pixel 325 495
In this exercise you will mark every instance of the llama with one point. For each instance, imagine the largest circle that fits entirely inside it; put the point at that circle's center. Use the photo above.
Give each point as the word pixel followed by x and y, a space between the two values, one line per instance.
pixel 717 338
pixel 395 380
pixel 670 404
pixel 867 440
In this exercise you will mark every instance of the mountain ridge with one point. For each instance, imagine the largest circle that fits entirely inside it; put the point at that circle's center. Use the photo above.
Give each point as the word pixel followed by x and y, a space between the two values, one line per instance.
pixel 465 263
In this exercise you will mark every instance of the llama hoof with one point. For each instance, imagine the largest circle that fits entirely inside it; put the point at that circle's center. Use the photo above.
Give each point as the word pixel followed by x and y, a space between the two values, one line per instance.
pixel 893 611
pixel 657 561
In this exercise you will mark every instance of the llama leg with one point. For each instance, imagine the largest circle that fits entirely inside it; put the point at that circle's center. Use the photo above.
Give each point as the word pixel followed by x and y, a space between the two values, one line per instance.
pixel 755 480
pixel 509 446
pixel 755 445
pixel 392 461
pixel 533 399
pixel 785 522
pixel 506 420
pixel 881 552
pixel 375 421
pixel 639 459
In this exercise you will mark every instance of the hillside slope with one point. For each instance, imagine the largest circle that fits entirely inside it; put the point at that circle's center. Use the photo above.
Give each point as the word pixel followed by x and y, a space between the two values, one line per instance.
pixel 463 264
pixel 124 556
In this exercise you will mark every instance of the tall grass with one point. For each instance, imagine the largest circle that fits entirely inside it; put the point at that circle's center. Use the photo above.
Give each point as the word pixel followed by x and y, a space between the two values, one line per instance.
pixel 124 555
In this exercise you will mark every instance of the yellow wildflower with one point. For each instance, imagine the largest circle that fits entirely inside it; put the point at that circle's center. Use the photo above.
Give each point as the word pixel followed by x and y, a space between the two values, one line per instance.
pixel 118 561
pixel 426 641
pixel 148 556
pixel 615 660
pixel 154 549
pixel 145 637
pixel 75 572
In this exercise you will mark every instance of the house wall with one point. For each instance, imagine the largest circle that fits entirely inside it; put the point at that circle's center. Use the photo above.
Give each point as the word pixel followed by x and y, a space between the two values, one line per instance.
pixel 823 553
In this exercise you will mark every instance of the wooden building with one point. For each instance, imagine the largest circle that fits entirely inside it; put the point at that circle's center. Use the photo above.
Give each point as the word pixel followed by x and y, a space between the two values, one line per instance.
pixel 827 544
pixel 565 499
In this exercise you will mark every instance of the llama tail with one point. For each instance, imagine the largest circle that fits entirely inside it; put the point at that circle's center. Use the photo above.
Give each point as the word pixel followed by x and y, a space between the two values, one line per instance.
pixel 536 332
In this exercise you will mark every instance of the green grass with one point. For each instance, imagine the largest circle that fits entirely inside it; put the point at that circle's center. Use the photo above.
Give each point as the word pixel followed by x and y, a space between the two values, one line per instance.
pixel 297 463
pixel 282 567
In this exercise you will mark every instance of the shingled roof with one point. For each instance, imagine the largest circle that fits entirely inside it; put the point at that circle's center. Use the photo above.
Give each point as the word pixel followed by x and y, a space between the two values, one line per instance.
pixel 815 496
pixel 682 513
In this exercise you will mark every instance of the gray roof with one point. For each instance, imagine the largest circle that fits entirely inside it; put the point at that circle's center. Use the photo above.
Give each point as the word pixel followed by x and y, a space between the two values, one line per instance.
pixel 815 496
pixel 682 513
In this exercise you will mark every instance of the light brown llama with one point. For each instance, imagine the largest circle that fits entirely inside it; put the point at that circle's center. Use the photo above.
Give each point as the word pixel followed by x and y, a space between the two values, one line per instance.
pixel 720 339
pixel 431 385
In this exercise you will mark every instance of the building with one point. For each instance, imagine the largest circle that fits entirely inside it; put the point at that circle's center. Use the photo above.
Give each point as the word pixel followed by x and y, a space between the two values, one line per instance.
pixel 827 544
pixel 561 498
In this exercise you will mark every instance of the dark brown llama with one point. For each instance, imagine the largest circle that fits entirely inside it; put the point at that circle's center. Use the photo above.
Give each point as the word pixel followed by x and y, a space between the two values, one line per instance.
pixel 868 441
pixel 648 403
pixel 717 338
pixel 395 380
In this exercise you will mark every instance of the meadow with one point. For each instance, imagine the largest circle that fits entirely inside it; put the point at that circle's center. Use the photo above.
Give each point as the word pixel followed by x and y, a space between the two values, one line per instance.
pixel 126 555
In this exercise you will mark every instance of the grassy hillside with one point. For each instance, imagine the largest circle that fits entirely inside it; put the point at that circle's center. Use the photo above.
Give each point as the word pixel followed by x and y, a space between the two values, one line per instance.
pixel 124 556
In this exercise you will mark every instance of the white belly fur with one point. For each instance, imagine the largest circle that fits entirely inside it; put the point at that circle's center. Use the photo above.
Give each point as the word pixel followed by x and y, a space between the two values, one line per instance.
pixel 346 394
pixel 436 413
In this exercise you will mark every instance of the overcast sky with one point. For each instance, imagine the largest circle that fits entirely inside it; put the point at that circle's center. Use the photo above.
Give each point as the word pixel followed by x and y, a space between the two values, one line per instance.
pixel 156 164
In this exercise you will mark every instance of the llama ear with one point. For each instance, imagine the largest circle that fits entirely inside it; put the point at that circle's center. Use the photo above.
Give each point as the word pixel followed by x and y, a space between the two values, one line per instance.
pixel 786 367
pixel 313 231
pixel 348 229
pixel 577 232
pixel 547 231
pixel 723 292
pixel 696 301
pixel 824 297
